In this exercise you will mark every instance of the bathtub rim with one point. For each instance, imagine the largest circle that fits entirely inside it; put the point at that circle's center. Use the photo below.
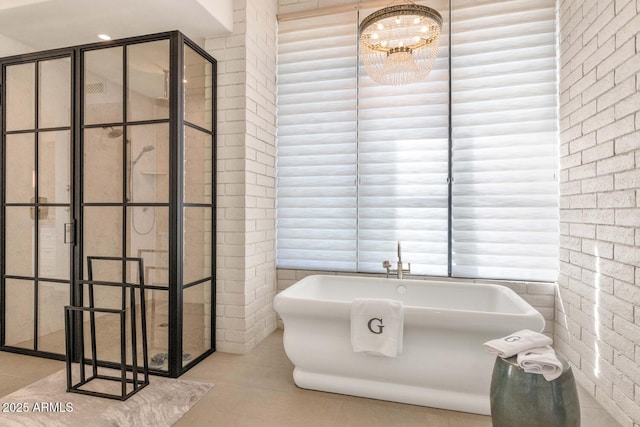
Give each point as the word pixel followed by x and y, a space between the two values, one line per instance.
pixel 293 293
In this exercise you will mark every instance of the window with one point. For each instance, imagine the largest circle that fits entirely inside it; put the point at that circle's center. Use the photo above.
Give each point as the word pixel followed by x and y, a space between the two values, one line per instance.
pixel 505 191
pixel 362 166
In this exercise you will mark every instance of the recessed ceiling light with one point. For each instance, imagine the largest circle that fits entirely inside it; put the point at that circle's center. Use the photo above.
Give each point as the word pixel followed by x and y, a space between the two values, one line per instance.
pixel 104 37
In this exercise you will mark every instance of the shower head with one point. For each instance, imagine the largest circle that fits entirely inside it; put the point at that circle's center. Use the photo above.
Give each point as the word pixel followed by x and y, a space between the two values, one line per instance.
pixel 162 102
pixel 113 132
pixel 144 150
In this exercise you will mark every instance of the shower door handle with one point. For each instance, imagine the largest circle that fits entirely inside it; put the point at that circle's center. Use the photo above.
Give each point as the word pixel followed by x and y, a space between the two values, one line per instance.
pixel 69 233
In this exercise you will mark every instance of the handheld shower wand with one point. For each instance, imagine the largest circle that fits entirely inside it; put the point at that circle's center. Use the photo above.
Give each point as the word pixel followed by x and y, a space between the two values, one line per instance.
pixel 145 149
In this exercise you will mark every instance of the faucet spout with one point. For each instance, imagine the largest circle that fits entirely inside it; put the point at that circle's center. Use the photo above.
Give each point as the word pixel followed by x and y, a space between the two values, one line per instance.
pixel 399 270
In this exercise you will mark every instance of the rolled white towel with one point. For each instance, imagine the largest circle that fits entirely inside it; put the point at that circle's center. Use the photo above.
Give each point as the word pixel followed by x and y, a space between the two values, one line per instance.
pixel 516 342
pixel 541 360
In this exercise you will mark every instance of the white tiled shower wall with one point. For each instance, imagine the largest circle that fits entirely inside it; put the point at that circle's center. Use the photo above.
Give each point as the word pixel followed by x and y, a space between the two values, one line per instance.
pixel 598 312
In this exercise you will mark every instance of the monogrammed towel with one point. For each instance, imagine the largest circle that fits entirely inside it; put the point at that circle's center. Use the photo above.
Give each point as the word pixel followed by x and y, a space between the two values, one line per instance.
pixel 377 326
pixel 516 342
pixel 541 360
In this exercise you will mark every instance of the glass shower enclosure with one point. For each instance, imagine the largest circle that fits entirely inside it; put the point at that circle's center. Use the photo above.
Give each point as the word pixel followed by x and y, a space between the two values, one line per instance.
pixel 108 150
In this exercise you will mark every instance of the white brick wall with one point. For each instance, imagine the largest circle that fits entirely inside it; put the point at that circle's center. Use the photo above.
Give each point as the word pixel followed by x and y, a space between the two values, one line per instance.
pixel 246 176
pixel 598 308
pixel 260 246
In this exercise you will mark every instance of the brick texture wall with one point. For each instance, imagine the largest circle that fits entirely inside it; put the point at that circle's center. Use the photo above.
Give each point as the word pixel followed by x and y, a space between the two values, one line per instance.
pixel 246 176
pixel 260 220
pixel 598 309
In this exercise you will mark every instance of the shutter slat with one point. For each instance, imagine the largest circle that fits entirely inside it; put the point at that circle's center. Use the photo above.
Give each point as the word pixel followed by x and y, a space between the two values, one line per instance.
pixel 316 158
pixel 504 212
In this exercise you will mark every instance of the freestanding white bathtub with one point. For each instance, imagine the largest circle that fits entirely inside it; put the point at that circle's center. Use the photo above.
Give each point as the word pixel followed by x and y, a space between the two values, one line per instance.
pixel 442 364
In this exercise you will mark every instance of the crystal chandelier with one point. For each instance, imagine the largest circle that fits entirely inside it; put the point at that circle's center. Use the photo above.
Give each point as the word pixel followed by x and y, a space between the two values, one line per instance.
pixel 399 44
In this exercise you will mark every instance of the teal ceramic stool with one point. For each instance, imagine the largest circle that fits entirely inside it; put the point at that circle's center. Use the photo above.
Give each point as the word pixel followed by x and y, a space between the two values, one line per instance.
pixel 522 399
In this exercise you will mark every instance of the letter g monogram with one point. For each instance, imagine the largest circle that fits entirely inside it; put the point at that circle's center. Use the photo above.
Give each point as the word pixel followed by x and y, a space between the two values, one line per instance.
pixel 379 325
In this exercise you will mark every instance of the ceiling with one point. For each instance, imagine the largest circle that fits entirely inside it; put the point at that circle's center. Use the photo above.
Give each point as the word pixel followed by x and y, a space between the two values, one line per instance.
pixel 50 24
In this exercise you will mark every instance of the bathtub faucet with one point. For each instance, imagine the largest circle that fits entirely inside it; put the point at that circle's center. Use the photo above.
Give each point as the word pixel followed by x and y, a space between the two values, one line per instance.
pixel 399 270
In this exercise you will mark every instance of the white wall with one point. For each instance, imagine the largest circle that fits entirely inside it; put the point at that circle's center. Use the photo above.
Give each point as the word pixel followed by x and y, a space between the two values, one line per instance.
pixel 10 47
pixel 222 10
pixel 246 274
pixel 598 310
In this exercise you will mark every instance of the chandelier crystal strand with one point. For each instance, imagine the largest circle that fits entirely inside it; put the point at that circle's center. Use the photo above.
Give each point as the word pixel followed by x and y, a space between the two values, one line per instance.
pixel 399 44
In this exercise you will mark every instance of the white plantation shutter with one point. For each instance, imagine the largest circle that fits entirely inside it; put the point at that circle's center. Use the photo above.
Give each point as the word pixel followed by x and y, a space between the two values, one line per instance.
pixel 317 152
pixel 505 191
pixel 403 140
pixel 361 166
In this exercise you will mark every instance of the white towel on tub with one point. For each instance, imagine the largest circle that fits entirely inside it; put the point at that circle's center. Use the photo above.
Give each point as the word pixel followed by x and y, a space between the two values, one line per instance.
pixel 377 326
pixel 516 342
pixel 541 360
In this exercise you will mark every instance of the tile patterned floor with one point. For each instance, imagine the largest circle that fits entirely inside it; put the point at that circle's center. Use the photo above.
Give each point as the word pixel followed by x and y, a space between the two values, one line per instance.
pixel 257 389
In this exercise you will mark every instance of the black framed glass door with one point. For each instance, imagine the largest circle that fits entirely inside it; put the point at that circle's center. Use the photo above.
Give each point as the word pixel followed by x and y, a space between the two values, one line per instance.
pixel 37 216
